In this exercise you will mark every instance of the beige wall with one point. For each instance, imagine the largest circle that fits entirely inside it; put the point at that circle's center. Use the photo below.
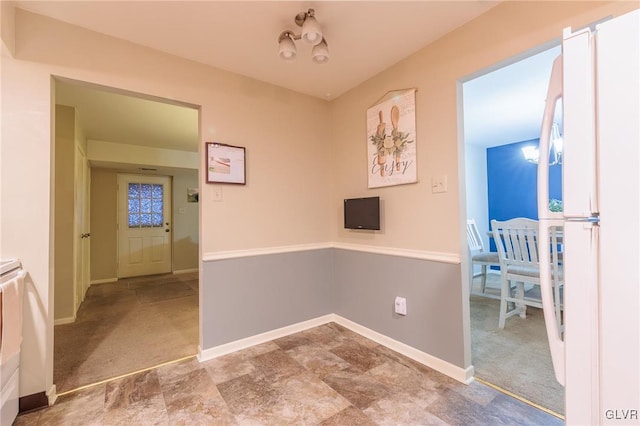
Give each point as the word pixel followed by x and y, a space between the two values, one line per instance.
pixel 303 155
pixel 103 224
pixel 185 223
pixel 64 210
pixel 285 135
pixel 414 217
pixel 104 231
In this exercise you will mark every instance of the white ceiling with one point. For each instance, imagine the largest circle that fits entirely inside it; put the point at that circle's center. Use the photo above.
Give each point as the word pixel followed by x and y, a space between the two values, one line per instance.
pixel 506 105
pixel 364 37
pixel 111 116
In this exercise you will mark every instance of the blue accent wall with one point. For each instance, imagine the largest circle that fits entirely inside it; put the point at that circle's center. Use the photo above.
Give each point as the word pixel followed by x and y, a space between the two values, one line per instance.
pixel 512 183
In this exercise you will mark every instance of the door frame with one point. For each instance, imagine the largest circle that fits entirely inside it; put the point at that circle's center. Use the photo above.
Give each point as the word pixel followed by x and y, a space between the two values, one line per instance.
pixel 121 177
pixel 50 322
pixel 465 258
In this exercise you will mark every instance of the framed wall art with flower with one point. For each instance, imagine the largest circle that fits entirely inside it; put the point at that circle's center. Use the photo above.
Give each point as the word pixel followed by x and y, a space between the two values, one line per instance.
pixel 391 139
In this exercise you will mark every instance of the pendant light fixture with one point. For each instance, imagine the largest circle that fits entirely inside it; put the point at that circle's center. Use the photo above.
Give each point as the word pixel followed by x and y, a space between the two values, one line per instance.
pixel 311 34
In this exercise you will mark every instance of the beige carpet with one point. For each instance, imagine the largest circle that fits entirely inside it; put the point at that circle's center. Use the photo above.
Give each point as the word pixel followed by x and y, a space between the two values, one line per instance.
pixel 516 358
pixel 126 326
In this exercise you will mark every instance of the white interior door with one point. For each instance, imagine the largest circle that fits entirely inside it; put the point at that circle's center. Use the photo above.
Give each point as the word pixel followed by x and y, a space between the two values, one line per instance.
pixel 144 235
pixel 81 229
pixel 86 242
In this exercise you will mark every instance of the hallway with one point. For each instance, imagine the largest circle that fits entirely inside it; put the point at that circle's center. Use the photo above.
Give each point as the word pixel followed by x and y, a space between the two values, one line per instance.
pixel 128 325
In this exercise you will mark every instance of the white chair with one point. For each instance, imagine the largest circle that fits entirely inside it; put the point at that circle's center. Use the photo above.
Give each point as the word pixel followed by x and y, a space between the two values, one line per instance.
pixel 479 257
pixel 518 249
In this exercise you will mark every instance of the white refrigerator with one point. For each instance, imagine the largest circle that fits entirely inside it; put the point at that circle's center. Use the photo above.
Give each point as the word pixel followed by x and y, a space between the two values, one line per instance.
pixel 597 357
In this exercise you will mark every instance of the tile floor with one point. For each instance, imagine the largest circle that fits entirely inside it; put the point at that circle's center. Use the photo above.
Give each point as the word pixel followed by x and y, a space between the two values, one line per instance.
pixel 326 375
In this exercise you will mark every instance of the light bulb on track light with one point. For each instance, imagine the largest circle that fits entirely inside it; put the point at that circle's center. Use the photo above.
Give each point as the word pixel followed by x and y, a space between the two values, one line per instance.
pixel 311 32
pixel 287 48
pixel 320 53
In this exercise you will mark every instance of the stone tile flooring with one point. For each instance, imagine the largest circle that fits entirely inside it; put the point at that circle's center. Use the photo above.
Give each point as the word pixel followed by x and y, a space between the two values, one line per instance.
pixel 327 375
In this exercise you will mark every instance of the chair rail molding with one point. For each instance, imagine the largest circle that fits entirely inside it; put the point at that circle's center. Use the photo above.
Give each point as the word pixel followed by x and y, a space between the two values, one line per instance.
pixel 443 257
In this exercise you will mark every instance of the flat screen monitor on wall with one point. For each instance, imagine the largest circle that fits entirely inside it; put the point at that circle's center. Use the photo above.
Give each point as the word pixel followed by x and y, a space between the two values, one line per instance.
pixel 362 213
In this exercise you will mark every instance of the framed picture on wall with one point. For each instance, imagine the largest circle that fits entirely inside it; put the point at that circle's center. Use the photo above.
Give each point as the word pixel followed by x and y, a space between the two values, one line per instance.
pixel 225 163
pixel 192 195
pixel 391 139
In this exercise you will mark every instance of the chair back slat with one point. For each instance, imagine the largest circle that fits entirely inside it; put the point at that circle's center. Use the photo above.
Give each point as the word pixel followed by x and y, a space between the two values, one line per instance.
pixel 473 236
pixel 517 241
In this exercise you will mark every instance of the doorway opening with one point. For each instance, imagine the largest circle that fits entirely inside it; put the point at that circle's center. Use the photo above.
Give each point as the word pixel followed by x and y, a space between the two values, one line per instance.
pixel 126 259
pixel 144 227
pixel 502 110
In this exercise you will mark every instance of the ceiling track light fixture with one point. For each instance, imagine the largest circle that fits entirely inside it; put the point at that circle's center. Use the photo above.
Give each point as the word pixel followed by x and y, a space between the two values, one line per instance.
pixel 311 34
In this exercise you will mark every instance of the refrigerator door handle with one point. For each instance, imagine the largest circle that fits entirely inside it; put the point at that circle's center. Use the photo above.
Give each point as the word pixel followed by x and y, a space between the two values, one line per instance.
pixel 554 93
pixel 547 220
pixel 556 344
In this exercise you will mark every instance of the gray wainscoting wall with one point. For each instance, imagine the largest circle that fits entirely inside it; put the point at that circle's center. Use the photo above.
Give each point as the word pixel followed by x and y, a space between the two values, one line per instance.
pixel 245 296
pixel 365 287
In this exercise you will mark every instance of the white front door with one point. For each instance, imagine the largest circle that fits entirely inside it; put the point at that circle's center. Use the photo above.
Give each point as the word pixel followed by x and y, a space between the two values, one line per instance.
pixel 144 233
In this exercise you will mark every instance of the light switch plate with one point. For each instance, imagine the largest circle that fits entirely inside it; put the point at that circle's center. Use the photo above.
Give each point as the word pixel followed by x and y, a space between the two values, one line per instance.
pixel 439 184
pixel 216 193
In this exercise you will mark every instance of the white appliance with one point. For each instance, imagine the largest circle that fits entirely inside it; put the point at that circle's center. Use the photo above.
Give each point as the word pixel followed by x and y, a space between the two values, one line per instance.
pixel 597 77
pixel 11 290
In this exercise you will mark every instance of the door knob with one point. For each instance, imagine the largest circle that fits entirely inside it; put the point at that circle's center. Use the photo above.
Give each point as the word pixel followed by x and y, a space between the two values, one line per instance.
pixel 166 230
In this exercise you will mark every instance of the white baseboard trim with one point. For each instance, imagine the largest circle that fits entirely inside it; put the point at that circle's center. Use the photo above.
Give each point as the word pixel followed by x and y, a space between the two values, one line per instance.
pixel 106 280
pixel 458 373
pixel 444 367
pixel 68 320
pixel 185 271
pixel 52 395
pixel 227 348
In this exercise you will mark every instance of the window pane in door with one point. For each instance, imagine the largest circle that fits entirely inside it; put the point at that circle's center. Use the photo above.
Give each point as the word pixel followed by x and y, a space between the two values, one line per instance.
pixel 145 220
pixel 156 192
pixel 156 219
pixel 134 205
pixel 145 190
pixel 145 205
pixel 134 190
pixel 134 220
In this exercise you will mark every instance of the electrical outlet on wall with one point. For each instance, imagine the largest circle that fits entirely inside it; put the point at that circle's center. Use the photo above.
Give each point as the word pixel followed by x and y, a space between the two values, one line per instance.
pixel 401 306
